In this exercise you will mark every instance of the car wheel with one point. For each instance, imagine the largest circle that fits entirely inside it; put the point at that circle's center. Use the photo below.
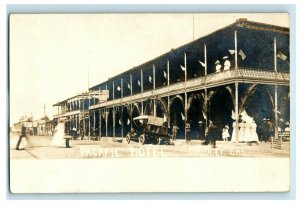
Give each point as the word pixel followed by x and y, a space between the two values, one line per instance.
pixel 142 139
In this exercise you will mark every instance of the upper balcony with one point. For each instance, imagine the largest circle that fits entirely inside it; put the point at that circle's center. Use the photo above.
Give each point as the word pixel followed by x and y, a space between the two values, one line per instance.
pixel 242 75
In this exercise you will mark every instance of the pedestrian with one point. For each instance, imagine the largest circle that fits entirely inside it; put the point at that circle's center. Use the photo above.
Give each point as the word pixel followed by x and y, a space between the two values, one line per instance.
pixel 188 131
pixel 270 129
pixel 25 132
pixel 200 130
pixel 287 126
pixel 225 133
pixel 74 133
pixel 212 135
pixel 234 136
pixel 264 130
pixel 174 131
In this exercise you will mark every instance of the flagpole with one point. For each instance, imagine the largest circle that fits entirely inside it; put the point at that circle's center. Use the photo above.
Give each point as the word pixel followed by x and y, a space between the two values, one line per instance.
pixel 142 81
pixel 121 87
pixel 153 76
pixel 168 67
pixel 235 51
pixel 131 84
pixel 276 87
pixel 185 71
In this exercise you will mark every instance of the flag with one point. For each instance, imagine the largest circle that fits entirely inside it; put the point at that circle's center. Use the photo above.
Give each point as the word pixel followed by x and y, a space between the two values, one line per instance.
pixel 202 64
pixel 128 121
pixel 119 88
pixel 165 74
pixel 182 116
pixel 204 116
pixel 120 122
pixel 128 85
pixel 231 52
pixel 150 79
pixel 242 54
pixel 281 56
pixel 139 83
pixel 182 67
pixel 233 115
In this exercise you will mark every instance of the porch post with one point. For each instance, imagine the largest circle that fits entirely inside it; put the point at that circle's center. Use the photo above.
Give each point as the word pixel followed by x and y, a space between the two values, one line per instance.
pixel 100 125
pixel 106 131
pixel 276 89
pixel 114 122
pixel 237 111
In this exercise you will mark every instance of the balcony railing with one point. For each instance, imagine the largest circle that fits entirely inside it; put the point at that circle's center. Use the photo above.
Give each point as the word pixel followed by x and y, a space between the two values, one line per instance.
pixel 211 80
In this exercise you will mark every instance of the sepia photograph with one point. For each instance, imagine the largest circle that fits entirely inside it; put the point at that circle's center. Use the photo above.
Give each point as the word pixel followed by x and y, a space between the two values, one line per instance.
pixel 136 102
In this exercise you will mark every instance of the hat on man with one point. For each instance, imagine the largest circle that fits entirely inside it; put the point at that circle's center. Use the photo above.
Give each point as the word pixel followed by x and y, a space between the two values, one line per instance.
pixel 225 57
pixel 226 126
pixel 200 121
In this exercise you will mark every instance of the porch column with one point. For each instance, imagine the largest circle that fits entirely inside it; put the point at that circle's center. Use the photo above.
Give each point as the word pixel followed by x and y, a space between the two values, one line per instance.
pixel 100 125
pixel 114 123
pixel 169 116
pixel 122 122
pixel 185 113
pixel 237 111
pixel 276 90
pixel 94 123
pixel 154 107
pixel 106 131
pixel 131 116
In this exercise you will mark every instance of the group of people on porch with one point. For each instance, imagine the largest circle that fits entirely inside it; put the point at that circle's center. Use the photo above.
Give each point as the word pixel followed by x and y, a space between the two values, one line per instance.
pixel 248 130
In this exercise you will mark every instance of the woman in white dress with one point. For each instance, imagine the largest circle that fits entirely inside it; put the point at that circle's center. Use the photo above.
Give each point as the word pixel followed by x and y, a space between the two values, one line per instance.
pixel 225 133
pixel 254 136
pixel 242 131
pixel 247 133
pixel 58 136
pixel 233 138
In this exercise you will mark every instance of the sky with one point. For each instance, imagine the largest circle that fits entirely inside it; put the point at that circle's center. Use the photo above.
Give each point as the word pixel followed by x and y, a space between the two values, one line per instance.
pixel 55 56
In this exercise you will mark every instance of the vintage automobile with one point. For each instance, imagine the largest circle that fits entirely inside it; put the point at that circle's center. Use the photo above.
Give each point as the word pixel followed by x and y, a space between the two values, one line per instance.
pixel 151 129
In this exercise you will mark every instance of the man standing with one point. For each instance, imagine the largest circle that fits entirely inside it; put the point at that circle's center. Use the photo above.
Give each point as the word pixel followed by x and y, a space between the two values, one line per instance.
pixel 174 131
pixel 188 131
pixel 200 130
pixel 212 135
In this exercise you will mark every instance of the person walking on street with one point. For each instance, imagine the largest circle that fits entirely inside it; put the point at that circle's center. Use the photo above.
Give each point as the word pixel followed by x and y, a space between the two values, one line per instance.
pixel 25 132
